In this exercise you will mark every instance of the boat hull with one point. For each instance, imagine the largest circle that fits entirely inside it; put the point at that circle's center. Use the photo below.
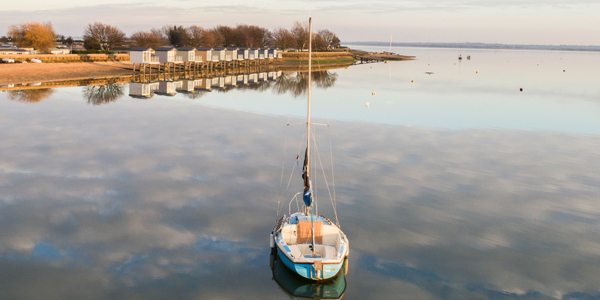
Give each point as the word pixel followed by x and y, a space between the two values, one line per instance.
pixel 307 270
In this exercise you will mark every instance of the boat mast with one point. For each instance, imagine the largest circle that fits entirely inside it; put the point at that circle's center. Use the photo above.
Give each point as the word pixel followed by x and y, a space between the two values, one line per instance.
pixel 312 227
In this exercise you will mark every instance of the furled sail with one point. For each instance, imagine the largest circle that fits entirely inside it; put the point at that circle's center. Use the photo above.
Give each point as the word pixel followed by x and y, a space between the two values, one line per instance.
pixel 307 189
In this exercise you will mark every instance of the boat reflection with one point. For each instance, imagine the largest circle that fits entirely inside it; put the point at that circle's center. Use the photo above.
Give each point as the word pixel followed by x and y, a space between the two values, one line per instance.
pixel 297 287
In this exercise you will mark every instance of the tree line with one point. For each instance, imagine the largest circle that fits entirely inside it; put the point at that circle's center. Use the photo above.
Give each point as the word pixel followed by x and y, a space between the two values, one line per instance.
pixel 100 36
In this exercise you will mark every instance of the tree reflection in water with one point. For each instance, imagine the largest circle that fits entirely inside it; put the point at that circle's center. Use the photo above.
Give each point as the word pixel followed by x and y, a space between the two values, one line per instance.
pixel 102 94
pixel 30 96
pixel 196 94
pixel 297 84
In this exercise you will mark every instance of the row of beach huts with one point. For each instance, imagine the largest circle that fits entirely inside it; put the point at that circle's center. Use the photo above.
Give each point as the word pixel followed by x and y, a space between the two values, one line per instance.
pixel 207 84
pixel 221 56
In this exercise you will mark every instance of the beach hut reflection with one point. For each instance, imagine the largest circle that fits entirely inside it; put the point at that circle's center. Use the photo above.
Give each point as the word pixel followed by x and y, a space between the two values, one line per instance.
pixel 142 90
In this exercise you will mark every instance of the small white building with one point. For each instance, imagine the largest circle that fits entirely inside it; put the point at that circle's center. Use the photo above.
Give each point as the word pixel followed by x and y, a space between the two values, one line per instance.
pixel 188 54
pixel 13 51
pixel 231 53
pixel 218 54
pixel 142 55
pixel 168 55
pixel 243 53
pixel 204 54
pixel 253 52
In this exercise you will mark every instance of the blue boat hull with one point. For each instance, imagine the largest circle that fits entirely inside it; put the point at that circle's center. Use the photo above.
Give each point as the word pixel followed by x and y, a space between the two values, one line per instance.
pixel 306 270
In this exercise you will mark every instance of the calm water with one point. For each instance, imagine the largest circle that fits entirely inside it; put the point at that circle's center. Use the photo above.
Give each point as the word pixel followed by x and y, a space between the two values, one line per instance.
pixel 455 186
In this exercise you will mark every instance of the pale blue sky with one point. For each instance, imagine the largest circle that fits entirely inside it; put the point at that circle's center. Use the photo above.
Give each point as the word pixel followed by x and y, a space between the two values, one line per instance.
pixel 490 21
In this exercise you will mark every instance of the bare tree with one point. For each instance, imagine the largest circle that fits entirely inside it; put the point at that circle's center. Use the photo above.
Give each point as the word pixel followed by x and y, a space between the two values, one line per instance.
pixel 196 35
pixel 283 38
pixel 330 38
pixel 160 33
pixel 35 35
pixel 145 39
pixel 300 32
pixel 228 35
pixel 213 38
pixel 108 36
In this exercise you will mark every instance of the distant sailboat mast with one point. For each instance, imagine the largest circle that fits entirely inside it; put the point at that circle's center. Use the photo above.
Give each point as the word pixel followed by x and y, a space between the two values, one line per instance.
pixel 391 43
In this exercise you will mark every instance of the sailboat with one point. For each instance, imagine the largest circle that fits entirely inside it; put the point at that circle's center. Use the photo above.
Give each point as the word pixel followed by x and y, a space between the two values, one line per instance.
pixel 309 245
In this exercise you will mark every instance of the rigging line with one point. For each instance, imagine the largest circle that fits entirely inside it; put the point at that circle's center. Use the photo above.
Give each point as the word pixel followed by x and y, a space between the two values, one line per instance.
pixel 326 183
pixel 316 175
pixel 293 168
pixel 333 184
pixel 283 158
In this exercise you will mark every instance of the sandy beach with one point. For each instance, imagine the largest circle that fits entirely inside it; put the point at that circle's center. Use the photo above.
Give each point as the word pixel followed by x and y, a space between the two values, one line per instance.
pixel 31 73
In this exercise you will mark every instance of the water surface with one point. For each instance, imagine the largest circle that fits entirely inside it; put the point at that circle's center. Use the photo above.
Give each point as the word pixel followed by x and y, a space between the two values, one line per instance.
pixel 456 185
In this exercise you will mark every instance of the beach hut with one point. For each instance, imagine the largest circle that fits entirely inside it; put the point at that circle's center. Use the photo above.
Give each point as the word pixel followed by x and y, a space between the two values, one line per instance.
pixel 168 55
pixel 142 90
pixel 204 54
pixel 218 54
pixel 261 53
pixel 253 53
pixel 231 53
pixel 272 53
pixel 188 54
pixel 244 53
pixel 142 55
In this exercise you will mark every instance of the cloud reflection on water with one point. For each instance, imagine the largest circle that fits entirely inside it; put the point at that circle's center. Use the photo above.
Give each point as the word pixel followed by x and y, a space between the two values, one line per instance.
pixel 177 200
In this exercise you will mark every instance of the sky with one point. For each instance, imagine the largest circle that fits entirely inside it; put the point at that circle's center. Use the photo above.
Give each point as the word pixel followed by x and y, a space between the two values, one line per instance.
pixel 489 21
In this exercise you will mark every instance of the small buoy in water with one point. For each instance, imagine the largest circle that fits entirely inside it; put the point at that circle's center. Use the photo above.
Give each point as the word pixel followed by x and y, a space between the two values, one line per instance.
pixel 373 93
pixel 367 104
pixel 429 64
pixel 412 80
pixel 538 64
pixel 563 71
pixel 371 67
pixel 521 89
pixel 476 72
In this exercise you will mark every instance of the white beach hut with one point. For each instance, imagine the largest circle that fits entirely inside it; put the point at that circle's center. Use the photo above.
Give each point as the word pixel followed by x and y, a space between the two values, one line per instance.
pixel 187 54
pixel 204 54
pixel 168 55
pixel 142 55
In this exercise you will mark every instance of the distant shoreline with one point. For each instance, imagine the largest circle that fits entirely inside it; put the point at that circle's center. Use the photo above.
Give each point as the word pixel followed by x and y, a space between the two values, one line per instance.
pixel 479 46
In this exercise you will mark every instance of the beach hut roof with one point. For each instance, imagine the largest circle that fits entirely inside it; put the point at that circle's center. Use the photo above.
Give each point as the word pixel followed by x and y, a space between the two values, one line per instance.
pixel 233 48
pixel 244 48
pixel 219 48
pixel 165 48
pixel 203 48
pixel 255 48
pixel 140 49
pixel 186 49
